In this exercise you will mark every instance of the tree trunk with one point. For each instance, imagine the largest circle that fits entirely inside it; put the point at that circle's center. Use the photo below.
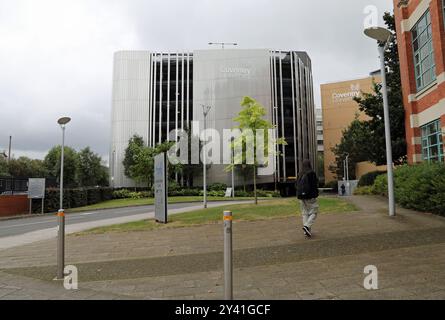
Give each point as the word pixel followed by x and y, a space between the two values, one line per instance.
pixel 254 185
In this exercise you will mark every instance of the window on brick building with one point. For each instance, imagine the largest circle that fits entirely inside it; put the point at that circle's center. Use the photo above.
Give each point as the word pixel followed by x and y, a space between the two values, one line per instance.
pixel 432 142
pixel 424 63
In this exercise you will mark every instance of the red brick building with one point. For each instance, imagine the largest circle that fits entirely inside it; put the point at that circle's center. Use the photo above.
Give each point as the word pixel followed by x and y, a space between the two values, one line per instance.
pixel 420 28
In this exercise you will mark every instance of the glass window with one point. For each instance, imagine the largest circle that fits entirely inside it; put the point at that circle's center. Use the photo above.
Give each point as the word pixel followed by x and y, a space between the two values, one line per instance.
pixel 424 63
pixel 432 144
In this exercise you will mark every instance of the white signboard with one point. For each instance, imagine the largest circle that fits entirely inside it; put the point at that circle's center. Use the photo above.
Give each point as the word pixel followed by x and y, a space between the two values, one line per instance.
pixel 36 188
pixel 160 181
pixel 228 193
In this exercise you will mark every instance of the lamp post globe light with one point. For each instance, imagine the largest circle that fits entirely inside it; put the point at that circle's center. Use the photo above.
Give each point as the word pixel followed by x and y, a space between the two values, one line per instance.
pixel 61 214
pixel 384 36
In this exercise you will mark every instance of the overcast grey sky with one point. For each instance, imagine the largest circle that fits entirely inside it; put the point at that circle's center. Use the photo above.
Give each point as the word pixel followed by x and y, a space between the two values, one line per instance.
pixel 56 55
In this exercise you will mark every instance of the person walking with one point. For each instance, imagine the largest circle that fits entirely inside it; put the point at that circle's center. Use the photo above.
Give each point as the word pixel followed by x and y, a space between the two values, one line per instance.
pixel 307 192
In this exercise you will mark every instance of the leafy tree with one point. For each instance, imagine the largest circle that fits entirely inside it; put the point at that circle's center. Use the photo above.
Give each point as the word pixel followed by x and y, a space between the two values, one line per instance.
pixel 52 165
pixel 135 144
pixel 365 140
pixel 90 171
pixel 353 142
pixel 251 117
pixel 3 166
pixel 26 167
pixel 142 167
pixel 103 177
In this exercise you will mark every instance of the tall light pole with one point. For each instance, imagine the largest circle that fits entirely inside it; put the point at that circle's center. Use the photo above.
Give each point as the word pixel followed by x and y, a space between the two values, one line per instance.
pixel 205 112
pixel 61 214
pixel 232 152
pixel 384 37
pixel 9 152
pixel 223 44
pixel 348 185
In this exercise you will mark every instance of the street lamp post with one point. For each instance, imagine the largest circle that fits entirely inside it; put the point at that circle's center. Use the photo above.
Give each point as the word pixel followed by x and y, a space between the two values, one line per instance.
pixel 205 112
pixel 61 214
pixel 232 151
pixel 384 36
pixel 348 185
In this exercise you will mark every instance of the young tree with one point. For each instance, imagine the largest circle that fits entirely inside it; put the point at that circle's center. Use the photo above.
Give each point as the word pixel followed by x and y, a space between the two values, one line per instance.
pixel 90 171
pixel 353 142
pixel 251 118
pixel 135 144
pixel 142 168
pixel 52 165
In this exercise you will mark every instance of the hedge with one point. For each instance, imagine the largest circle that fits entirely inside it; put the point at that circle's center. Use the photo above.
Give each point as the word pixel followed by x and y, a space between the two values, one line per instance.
pixel 72 198
pixel 419 187
pixel 75 198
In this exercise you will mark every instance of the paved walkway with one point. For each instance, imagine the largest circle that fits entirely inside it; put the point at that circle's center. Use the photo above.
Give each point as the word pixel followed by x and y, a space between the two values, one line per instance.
pixel 272 260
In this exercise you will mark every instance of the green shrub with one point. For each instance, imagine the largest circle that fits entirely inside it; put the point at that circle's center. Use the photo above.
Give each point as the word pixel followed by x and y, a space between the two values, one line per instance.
pixel 218 187
pixel 94 195
pixel 369 178
pixel 173 186
pixel 242 193
pixel 185 193
pixel 266 194
pixel 136 195
pixel 72 198
pixel 106 193
pixel 364 191
pixel 215 193
pixel 419 187
pixel 121 194
pixel 380 186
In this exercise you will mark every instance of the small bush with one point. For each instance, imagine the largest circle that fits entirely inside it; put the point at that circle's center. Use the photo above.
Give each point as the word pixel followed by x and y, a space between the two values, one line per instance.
pixel 380 186
pixel 185 193
pixel 369 178
pixel 364 191
pixel 218 187
pixel 121 194
pixel 267 194
pixel 242 193
pixel 214 193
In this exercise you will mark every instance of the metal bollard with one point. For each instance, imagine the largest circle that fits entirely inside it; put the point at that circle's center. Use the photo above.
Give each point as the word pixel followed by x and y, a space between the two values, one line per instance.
pixel 61 245
pixel 228 263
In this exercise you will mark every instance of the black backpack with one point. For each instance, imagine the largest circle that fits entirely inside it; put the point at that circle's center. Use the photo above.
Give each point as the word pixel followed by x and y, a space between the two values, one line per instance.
pixel 303 187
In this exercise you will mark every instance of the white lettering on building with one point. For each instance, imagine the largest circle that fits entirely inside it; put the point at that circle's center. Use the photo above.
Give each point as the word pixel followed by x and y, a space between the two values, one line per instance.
pixel 347 96
pixel 235 71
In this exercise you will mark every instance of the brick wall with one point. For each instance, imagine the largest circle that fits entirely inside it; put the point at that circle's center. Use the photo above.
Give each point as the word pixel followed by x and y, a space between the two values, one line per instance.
pixel 414 102
pixel 13 205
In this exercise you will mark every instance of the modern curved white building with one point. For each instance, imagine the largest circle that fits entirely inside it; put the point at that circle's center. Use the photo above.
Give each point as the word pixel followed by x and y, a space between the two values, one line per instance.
pixel 154 93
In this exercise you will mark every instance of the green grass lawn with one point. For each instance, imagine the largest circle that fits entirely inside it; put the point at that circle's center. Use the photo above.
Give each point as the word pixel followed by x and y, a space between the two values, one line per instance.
pixel 123 203
pixel 272 209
